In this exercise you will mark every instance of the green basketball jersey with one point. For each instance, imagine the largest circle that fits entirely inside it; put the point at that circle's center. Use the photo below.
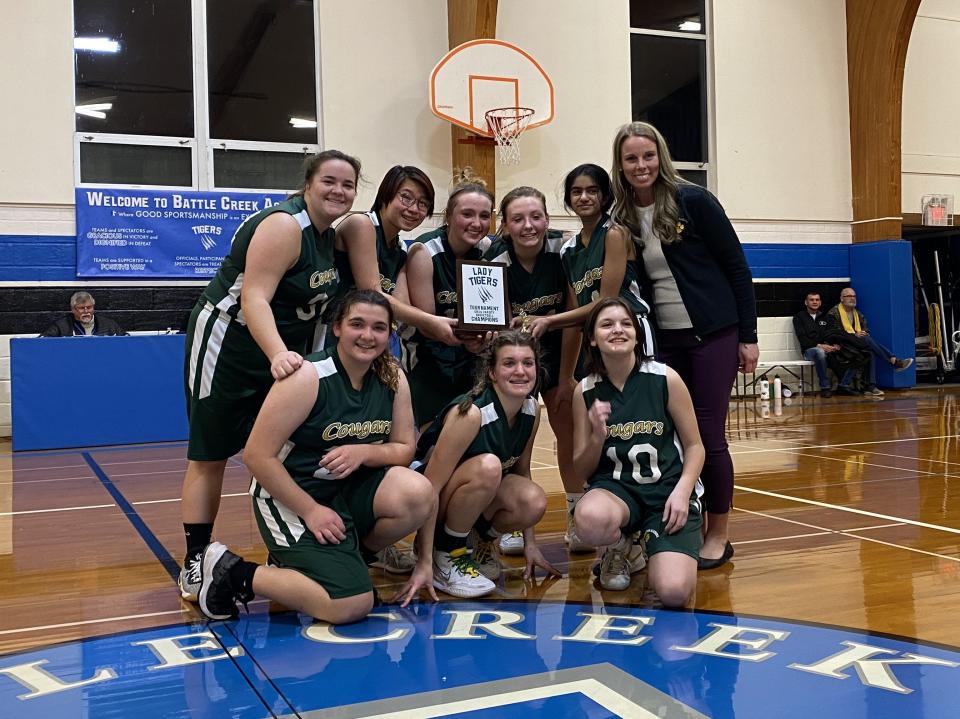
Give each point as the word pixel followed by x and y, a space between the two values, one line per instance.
pixel 584 269
pixel 495 436
pixel 541 292
pixel 391 256
pixel 340 415
pixel 642 446
pixel 450 361
pixel 312 281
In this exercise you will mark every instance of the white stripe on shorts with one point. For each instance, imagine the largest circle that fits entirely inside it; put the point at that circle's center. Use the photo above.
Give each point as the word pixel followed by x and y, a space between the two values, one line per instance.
pixel 197 345
pixel 212 353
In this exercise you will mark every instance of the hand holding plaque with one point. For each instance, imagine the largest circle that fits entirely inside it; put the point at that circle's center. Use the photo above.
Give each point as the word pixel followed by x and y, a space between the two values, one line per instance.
pixel 482 300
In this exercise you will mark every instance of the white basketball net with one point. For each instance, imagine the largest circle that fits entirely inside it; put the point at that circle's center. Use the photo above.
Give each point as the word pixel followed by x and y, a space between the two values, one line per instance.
pixel 507 124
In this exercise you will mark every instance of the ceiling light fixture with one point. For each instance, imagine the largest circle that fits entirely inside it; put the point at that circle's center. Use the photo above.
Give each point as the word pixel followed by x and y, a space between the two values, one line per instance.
pixel 97 110
pixel 301 122
pixel 690 26
pixel 96 44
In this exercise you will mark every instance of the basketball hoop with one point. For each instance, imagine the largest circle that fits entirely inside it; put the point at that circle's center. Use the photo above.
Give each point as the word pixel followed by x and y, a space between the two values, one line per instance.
pixel 507 124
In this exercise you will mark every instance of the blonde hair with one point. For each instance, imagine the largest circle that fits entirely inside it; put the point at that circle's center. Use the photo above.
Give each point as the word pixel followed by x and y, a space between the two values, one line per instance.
pixel 666 213
pixel 466 182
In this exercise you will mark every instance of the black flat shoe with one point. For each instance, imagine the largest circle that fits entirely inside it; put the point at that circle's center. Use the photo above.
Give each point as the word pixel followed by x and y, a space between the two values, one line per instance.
pixel 705 564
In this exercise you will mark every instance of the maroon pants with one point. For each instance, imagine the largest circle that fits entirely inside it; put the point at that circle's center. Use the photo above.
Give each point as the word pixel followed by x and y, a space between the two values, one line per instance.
pixel 708 366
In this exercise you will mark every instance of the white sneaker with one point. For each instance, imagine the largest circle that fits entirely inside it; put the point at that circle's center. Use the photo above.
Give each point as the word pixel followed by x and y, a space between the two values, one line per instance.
pixel 190 578
pixel 398 558
pixel 485 557
pixel 457 574
pixel 574 543
pixel 511 544
pixel 619 561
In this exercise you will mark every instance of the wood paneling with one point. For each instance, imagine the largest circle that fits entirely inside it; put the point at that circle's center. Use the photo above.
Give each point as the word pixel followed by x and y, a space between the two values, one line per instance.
pixel 877 37
pixel 471 20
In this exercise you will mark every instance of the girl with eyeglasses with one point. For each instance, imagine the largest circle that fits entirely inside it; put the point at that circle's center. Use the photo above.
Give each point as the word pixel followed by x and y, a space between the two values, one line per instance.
pixel 370 254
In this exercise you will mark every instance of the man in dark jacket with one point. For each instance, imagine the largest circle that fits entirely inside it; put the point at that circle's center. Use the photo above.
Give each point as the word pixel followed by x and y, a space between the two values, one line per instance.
pixel 811 327
pixel 82 321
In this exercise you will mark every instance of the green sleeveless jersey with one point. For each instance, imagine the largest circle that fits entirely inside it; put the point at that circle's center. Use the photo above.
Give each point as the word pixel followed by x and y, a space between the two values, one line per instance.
pixel 495 436
pixel 391 256
pixel 340 415
pixel 584 269
pixel 449 360
pixel 642 446
pixel 541 292
pixel 312 281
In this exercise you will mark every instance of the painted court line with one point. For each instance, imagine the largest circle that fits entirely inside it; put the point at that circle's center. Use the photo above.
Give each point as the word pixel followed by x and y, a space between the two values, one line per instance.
pixel 851 533
pixel 852 444
pixel 106 620
pixel 47 627
pixel 852 510
pixel 104 506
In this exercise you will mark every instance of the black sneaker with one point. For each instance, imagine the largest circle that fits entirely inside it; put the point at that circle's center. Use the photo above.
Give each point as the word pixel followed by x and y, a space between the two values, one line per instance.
pixel 218 597
pixel 847 392
pixel 826 393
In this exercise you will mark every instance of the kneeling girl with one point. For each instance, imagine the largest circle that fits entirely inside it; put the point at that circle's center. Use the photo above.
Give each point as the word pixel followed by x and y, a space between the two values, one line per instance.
pixel 477 456
pixel 637 446
pixel 328 454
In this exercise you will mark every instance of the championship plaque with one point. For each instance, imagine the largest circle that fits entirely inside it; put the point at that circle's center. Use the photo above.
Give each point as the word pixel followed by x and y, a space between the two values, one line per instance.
pixel 482 303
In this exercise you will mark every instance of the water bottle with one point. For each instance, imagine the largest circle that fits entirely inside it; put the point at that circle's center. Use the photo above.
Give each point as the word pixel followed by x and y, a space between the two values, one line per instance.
pixel 777 386
pixel 764 389
pixel 764 410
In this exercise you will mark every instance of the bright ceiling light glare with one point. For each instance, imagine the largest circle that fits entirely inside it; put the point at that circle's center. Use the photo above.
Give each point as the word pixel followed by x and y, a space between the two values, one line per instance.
pixel 300 122
pixel 96 44
pixel 97 110
pixel 690 26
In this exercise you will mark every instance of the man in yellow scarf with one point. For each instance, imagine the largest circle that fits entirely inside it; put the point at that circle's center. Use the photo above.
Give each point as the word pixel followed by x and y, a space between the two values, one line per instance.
pixel 854 323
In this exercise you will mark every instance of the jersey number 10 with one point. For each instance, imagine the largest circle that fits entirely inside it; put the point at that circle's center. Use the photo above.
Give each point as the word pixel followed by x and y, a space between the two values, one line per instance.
pixel 641 461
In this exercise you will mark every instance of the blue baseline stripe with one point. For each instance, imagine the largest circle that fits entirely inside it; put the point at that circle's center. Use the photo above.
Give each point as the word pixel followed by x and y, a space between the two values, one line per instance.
pixel 149 538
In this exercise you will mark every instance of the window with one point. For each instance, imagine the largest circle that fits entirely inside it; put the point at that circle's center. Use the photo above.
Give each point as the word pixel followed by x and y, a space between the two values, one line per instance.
pixel 204 94
pixel 669 80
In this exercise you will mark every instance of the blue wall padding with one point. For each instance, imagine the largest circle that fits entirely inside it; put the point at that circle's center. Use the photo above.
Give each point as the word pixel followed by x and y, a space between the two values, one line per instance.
pixel 93 391
pixel 52 258
pixel 880 272
pixel 798 261
pixel 40 258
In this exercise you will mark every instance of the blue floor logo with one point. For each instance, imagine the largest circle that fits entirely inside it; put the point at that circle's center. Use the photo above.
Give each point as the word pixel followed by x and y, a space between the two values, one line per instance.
pixel 479 660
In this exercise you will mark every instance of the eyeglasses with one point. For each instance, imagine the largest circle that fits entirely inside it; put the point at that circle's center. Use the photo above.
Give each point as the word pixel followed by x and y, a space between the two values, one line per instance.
pixel 408 200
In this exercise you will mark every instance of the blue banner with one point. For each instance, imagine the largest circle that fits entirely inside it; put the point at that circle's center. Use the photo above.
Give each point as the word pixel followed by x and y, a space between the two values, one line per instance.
pixel 159 233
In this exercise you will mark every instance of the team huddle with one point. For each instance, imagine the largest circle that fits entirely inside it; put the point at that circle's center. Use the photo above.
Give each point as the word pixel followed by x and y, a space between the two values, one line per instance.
pixel 331 356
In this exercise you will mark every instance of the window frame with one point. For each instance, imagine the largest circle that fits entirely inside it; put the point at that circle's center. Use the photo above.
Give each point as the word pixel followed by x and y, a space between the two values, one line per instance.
pixel 201 145
pixel 706 36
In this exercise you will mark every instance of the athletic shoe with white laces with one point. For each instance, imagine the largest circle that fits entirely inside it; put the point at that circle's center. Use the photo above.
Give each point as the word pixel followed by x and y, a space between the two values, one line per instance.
pixel 457 574
pixel 619 561
pixel 396 559
pixel 485 557
pixel 217 597
pixel 574 543
pixel 190 577
pixel 511 543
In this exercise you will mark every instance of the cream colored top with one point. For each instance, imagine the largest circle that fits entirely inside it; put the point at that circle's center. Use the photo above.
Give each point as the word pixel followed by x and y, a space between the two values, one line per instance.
pixel 668 305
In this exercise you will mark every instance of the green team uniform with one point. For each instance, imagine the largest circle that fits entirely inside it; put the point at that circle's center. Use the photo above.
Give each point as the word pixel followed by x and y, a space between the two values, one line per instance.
pixel 642 458
pixel 391 257
pixel 538 293
pixel 495 436
pixel 584 268
pixel 340 415
pixel 226 374
pixel 437 371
